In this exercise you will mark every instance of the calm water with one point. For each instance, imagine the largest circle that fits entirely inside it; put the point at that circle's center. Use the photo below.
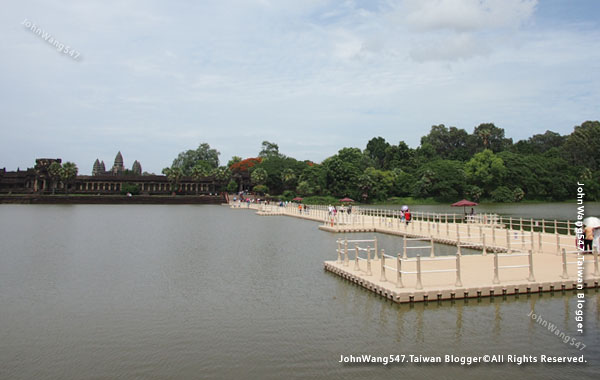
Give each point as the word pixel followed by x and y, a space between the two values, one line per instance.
pixel 183 292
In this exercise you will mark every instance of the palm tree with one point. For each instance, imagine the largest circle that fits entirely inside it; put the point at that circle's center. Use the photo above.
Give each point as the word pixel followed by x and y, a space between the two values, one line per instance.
pixel 259 176
pixel 54 171
pixel 221 174
pixel 68 174
pixel 199 172
pixel 288 177
pixel 174 175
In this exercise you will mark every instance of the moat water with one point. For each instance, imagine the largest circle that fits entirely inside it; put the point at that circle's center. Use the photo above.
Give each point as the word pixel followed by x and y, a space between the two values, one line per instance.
pixel 186 292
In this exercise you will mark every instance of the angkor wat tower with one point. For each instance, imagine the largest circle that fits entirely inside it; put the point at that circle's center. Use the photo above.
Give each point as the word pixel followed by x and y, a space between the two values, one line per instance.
pixel 136 168
pixel 99 168
pixel 118 167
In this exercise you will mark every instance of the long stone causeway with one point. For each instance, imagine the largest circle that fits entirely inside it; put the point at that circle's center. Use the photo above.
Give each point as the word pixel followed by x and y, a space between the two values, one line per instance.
pixel 514 256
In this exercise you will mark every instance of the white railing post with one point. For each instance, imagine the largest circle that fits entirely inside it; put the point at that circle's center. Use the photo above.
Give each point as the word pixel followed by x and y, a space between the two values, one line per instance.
pixel 508 241
pixel 339 251
pixel 521 224
pixel 531 277
pixel 419 283
pixel 564 275
pixel 557 243
pixel 432 251
pixel 382 278
pixel 458 282
pixel 356 267
pixel 483 243
pixel 375 239
pixel 404 247
pixel 531 224
pixel 543 226
pixel 496 279
pixel 596 273
pixel 494 235
pixel 399 273
pixel 540 246
pixel 369 262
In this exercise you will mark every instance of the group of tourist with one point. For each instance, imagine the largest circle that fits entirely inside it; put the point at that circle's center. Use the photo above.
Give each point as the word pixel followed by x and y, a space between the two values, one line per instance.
pixel 405 216
pixel 333 210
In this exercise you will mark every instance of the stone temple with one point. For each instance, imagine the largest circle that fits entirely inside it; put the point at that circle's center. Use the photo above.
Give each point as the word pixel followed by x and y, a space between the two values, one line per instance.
pixel 118 168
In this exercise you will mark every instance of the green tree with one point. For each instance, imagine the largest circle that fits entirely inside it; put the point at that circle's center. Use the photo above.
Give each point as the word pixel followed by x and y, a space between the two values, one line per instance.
pixel 221 175
pixel 442 179
pixel 403 184
pixel 130 188
pixel 275 166
pixel 260 189
pixel 342 172
pixel 174 175
pixel 539 143
pixel 583 145
pixel 269 149
pixel 376 148
pixel 304 188
pixel 200 171
pixel 68 173
pixel 502 194
pixel 232 186
pixel 190 158
pixel 449 143
pixel 399 156
pixel 376 184
pixel 259 176
pixel 315 178
pixel 473 192
pixel 491 137
pixel 485 170
pixel 288 177
pixel 54 171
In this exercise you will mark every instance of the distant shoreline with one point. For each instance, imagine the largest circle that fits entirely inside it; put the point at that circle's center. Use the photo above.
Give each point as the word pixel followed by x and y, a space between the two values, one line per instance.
pixel 110 199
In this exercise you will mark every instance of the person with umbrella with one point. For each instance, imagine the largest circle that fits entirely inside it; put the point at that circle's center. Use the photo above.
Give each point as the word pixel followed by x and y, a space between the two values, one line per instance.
pixel 464 203
pixel 403 209
pixel 591 233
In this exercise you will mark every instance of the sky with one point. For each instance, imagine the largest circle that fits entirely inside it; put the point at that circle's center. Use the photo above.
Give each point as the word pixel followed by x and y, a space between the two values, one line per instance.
pixel 155 78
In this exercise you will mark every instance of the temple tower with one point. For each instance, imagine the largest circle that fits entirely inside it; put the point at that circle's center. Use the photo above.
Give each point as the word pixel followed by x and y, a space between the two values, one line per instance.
pixel 96 168
pixel 118 167
pixel 136 168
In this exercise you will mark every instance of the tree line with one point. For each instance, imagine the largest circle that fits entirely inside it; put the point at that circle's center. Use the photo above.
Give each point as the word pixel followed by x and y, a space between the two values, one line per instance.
pixel 449 164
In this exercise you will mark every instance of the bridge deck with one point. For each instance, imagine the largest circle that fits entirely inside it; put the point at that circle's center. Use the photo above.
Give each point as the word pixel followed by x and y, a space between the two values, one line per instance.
pixel 477 271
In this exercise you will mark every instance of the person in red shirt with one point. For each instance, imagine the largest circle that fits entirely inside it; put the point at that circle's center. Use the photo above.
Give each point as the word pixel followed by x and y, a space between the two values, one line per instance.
pixel 407 216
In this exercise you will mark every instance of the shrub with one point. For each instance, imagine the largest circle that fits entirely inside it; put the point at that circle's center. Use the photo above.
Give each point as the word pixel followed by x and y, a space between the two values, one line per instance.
pixel 503 194
pixel 232 186
pixel 260 189
pixel 130 188
pixel 518 194
pixel 288 195
pixel 474 193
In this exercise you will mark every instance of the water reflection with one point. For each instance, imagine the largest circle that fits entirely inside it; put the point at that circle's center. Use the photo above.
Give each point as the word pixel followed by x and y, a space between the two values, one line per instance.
pixel 185 291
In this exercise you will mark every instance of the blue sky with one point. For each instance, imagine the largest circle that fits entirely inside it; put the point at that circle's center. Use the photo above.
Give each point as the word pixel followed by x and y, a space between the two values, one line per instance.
pixel 159 77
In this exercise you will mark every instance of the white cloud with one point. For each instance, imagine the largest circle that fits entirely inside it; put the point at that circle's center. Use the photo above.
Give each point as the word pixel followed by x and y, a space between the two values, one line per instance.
pixel 466 15
pixel 160 77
